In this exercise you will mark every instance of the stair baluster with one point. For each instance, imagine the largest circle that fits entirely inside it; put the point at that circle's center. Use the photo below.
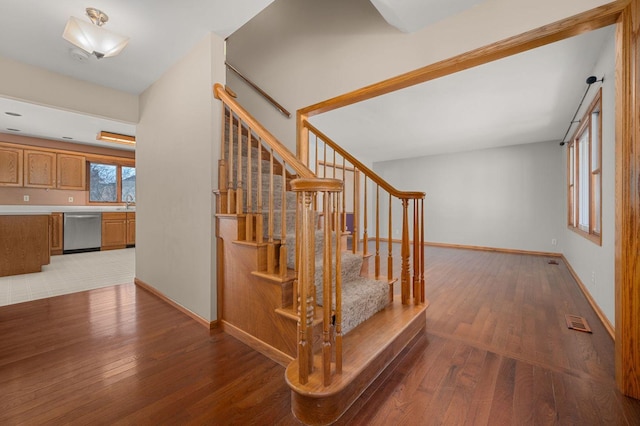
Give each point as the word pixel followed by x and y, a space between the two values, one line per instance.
pixel 222 168
pixel 282 261
pixel 249 224
pixel 239 191
pixel 377 256
pixel 405 274
pixel 390 250
pixel 365 234
pixel 271 249
pixel 259 217
pixel 338 313
pixel 231 200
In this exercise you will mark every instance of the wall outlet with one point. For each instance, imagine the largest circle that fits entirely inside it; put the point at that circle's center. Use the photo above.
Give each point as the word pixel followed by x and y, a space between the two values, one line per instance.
pixel 71 199
pixel 25 198
pixel 554 242
pixel 593 277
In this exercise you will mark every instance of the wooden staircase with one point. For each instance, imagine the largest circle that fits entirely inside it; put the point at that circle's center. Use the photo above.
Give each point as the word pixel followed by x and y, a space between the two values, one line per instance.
pixel 287 285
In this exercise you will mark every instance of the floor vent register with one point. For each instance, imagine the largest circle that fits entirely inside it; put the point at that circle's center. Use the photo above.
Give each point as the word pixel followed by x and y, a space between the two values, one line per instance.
pixel 575 322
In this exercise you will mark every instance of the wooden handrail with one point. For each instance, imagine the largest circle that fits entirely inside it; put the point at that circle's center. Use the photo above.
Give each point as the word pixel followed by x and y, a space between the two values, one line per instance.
pixel 367 171
pixel 259 90
pixel 301 170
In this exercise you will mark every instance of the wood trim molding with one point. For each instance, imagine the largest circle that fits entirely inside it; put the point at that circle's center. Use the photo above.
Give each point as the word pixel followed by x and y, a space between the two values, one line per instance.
pixel 587 21
pixel 603 318
pixel 479 248
pixel 71 148
pixel 627 241
pixel 209 324
pixel 494 249
pixel 257 344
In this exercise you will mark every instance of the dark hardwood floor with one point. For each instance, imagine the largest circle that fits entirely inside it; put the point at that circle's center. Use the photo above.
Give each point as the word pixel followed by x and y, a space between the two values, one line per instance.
pixel 496 351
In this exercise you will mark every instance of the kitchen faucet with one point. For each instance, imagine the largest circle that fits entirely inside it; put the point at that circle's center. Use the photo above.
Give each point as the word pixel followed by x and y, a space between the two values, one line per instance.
pixel 128 200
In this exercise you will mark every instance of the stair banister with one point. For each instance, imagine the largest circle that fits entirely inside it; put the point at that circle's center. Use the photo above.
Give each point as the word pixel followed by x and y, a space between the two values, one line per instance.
pixel 412 202
pixel 367 171
pixel 259 90
pixel 300 168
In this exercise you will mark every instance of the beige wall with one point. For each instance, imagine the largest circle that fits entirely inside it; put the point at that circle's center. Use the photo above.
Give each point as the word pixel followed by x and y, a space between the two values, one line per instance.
pixel 176 156
pixel 594 264
pixel 39 86
pixel 508 197
pixel 306 51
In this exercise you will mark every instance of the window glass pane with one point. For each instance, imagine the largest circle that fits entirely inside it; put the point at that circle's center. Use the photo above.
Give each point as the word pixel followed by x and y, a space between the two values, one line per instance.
pixel 595 139
pixel 572 162
pixel 597 220
pixel 102 183
pixel 572 198
pixel 128 184
pixel 584 175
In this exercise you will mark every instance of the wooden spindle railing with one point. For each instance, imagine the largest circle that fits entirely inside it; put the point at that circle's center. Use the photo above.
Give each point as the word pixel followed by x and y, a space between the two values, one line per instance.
pixel 316 197
pixel 411 203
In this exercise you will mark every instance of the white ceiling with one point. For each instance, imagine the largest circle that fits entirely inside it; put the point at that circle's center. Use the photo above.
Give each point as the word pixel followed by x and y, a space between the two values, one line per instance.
pixel 526 98
pixel 160 32
pixel 478 108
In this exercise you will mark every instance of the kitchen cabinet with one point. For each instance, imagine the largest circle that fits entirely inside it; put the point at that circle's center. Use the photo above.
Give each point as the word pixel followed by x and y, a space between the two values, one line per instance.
pixel 39 169
pixel 72 171
pixel 24 244
pixel 57 233
pixel 114 230
pixel 131 228
pixel 10 166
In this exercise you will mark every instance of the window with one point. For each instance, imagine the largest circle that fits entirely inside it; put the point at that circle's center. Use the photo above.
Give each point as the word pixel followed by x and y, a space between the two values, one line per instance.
pixel 111 183
pixel 584 174
pixel 128 184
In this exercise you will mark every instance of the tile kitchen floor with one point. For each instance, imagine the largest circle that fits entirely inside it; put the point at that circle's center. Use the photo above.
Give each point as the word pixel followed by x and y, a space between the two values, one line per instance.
pixel 70 273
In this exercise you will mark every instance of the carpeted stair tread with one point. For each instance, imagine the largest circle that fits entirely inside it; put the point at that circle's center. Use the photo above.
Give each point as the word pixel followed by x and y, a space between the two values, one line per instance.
pixel 362 297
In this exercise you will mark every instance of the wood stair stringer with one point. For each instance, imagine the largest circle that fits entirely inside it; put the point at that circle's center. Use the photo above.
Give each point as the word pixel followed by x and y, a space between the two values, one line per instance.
pixel 248 300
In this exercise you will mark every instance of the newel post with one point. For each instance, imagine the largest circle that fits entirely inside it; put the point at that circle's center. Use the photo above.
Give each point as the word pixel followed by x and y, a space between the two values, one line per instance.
pixel 308 189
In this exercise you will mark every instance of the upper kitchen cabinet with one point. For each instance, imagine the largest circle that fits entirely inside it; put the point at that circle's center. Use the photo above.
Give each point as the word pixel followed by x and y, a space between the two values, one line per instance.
pixel 39 169
pixel 47 169
pixel 10 166
pixel 71 171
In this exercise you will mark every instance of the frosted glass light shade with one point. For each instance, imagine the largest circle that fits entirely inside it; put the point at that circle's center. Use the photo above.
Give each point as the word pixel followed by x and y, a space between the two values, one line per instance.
pixel 93 39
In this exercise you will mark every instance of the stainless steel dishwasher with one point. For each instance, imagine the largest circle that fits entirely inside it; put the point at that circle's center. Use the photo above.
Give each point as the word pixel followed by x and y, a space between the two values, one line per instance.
pixel 82 232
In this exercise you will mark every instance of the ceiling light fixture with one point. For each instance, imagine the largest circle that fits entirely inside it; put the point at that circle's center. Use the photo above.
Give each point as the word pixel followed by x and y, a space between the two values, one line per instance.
pixel 117 138
pixel 91 37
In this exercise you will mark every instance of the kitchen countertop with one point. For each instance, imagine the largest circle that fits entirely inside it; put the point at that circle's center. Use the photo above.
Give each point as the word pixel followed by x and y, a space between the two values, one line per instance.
pixel 6 210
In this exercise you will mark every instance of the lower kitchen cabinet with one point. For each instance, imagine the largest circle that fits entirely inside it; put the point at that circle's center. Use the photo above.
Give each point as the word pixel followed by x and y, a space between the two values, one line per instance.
pixel 131 229
pixel 25 243
pixel 57 234
pixel 114 230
